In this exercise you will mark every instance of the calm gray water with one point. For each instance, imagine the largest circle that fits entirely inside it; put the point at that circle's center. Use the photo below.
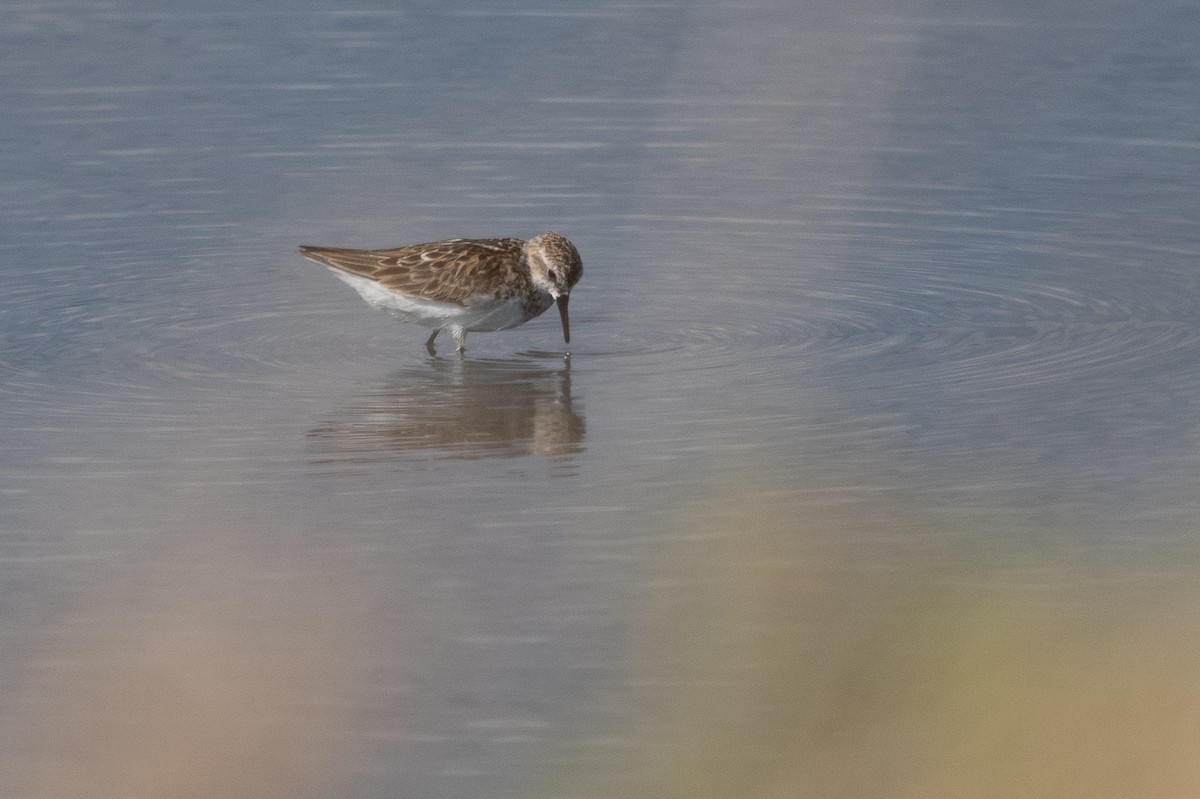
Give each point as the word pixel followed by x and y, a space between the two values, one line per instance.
pixel 872 471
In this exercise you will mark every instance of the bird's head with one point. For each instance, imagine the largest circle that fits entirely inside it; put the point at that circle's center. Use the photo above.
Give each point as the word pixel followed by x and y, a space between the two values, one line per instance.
pixel 554 267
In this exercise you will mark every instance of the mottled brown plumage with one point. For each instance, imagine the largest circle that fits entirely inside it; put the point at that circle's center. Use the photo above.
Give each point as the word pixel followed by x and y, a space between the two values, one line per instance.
pixel 462 284
pixel 444 271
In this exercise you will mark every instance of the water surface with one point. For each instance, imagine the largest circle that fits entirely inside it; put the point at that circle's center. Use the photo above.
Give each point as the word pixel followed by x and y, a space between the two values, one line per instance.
pixel 871 470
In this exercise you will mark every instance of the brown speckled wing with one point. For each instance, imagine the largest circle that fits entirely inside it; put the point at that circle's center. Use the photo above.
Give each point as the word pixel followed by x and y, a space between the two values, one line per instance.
pixel 446 271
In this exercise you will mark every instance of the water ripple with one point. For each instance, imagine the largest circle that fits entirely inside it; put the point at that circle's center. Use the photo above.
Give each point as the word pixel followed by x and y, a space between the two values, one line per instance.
pixel 979 332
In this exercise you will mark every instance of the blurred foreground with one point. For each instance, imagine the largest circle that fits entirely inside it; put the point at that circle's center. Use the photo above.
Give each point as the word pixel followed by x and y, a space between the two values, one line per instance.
pixel 792 648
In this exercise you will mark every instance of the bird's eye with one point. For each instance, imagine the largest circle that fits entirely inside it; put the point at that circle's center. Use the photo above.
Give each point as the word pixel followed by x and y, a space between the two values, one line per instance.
pixel 553 275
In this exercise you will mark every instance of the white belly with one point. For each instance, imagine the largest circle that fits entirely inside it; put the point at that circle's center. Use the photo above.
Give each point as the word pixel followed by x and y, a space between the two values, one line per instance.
pixel 482 316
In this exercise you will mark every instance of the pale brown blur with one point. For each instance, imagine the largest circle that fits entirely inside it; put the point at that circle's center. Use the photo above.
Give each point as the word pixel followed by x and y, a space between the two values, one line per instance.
pixel 195 685
pixel 780 645
pixel 795 648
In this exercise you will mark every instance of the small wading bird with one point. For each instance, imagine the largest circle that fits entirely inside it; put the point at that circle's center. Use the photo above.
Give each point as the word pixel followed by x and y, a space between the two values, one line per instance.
pixel 462 285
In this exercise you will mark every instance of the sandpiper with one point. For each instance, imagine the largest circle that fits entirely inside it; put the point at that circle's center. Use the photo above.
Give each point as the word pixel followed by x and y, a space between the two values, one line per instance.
pixel 462 284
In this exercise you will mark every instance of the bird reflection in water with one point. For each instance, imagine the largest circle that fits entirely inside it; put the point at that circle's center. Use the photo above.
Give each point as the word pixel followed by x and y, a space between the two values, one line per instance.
pixel 457 408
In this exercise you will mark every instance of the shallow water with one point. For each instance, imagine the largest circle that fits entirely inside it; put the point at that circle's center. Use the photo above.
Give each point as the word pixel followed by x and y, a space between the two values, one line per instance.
pixel 876 443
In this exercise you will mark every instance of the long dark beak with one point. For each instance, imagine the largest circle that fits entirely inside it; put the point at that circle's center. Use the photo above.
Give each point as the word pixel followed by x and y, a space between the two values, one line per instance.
pixel 566 320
